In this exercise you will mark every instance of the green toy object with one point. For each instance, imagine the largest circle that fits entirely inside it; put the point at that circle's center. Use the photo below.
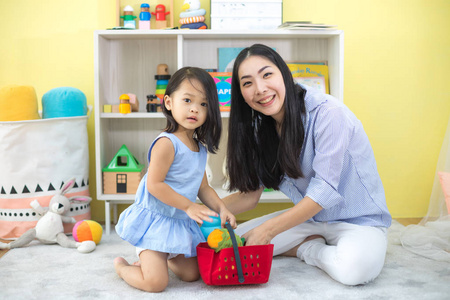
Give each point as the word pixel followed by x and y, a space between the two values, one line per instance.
pixel 124 161
pixel 123 174
pixel 220 239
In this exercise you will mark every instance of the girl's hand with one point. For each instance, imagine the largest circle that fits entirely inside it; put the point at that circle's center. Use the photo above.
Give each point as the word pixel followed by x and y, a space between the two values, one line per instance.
pixel 200 213
pixel 257 236
pixel 227 216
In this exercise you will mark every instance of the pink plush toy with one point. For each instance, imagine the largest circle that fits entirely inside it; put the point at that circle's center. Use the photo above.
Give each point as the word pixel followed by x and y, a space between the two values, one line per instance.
pixel 49 229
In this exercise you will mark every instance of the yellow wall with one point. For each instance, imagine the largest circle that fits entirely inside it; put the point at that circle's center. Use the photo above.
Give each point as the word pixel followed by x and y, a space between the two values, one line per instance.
pixel 396 81
pixel 395 77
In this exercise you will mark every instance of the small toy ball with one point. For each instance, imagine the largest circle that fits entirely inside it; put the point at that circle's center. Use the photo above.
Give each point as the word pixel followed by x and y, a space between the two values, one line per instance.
pixel 219 239
pixel 87 230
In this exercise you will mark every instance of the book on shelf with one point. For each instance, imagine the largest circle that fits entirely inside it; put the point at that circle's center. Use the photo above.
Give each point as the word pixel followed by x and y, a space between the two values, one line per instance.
pixel 223 85
pixel 226 57
pixel 309 62
pixel 311 74
pixel 306 25
pixel 315 82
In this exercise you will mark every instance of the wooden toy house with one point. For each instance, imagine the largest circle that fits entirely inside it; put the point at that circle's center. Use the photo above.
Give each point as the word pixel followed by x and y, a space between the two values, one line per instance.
pixel 123 174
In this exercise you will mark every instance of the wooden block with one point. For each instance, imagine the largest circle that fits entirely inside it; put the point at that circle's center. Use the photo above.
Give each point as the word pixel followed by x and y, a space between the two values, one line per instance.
pixel 115 108
pixel 107 108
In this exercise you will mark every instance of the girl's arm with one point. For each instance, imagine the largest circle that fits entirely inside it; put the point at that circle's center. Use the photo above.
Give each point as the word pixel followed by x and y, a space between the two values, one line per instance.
pixel 209 197
pixel 162 157
pixel 301 212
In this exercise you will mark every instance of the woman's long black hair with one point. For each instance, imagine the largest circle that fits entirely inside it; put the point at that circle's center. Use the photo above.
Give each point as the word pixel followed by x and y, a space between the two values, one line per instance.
pixel 209 133
pixel 255 153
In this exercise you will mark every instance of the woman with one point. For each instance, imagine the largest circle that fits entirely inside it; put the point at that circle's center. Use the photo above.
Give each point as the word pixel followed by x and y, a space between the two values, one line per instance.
pixel 310 146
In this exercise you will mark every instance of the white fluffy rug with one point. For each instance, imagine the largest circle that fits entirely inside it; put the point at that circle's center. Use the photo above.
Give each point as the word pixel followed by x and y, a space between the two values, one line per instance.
pixel 52 272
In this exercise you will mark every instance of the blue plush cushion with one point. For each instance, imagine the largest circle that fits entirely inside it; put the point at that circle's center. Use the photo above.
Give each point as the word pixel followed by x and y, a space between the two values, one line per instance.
pixel 64 102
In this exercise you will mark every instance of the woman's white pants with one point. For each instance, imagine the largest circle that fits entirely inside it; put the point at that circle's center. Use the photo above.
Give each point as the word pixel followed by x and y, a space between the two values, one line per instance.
pixel 351 254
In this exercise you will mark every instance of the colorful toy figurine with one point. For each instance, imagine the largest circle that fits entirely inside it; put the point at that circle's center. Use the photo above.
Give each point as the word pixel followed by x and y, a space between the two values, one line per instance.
pixel 153 104
pixel 193 16
pixel 145 16
pixel 162 79
pixel 160 14
pixel 128 17
pixel 124 106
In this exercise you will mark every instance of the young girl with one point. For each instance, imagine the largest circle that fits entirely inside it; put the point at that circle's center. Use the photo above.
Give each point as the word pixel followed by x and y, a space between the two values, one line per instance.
pixel 162 222
pixel 311 147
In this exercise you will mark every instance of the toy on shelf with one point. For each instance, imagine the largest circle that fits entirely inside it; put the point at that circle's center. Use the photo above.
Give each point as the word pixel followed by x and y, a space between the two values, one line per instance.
pixel 87 230
pixel 49 229
pixel 107 108
pixel 192 17
pixel 128 17
pixel 144 16
pixel 153 104
pixel 220 239
pixel 160 14
pixel 162 79
pixel 124 106
pixel 134 102
pixel 123 174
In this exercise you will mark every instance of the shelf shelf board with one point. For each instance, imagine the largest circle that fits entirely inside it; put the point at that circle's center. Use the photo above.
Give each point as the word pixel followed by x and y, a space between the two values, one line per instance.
pixel 144 115
pixel 215 34
pixel 134 115
pixel 266 197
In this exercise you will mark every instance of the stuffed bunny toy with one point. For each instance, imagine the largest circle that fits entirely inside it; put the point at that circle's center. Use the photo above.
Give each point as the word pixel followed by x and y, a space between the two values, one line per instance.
pixel 49 229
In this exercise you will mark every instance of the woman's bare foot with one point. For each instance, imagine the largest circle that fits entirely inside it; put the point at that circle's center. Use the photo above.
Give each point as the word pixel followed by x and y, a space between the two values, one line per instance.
pixel 293 251
pixel 119 263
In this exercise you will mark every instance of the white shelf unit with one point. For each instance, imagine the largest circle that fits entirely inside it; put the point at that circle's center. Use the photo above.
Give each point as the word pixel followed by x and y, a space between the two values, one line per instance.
pixel 125 62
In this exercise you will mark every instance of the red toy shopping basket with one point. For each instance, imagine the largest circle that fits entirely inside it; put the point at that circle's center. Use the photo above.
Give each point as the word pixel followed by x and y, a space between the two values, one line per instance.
pixel 237 265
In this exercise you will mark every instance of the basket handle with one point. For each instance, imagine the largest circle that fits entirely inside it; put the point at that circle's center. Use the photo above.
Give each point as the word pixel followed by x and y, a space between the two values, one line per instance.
pixel 236 253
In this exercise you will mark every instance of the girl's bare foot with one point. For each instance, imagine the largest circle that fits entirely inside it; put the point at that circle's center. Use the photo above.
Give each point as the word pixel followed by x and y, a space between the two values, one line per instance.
pixel 293 251
pixel 119 263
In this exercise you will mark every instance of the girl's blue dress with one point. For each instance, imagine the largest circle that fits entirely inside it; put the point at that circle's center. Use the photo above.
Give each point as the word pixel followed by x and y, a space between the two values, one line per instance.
pixel 150 224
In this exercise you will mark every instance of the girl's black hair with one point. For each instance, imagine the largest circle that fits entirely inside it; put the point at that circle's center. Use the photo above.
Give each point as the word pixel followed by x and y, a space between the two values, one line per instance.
pixel 209 133
pixel 255 153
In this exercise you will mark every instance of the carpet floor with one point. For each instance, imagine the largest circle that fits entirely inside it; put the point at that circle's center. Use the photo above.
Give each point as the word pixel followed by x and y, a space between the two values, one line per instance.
pixel 40 271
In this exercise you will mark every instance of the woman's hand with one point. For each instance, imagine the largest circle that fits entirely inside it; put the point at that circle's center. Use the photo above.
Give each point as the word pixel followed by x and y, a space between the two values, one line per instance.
pixel 227 216
pixel 200 213
pixel 264 233
pixel 258 236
